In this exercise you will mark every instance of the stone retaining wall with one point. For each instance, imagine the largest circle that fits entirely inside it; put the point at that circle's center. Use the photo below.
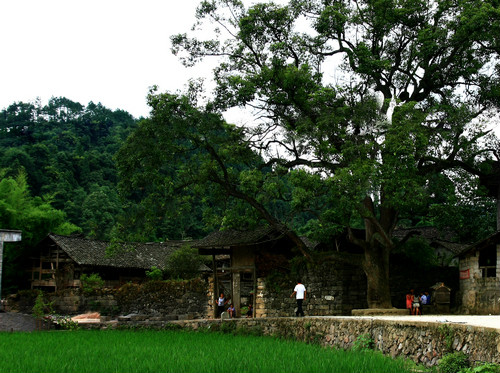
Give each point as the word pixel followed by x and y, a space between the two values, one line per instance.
pixel 155 298
pixel 423 342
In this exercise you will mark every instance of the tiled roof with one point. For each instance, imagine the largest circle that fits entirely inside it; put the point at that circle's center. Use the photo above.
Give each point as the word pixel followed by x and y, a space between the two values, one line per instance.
pixel 429 233
pixel 129 255
pixel 434 237
pixel 233 237
pixel 493 239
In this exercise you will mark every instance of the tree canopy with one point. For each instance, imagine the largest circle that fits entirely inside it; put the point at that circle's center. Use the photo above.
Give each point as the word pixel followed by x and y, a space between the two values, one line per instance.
pixel 34 216
pixel 414 83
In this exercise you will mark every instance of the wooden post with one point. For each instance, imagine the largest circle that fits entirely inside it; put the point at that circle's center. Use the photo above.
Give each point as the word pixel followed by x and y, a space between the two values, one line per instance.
pixel 216 287
pixel 498 208
pixel 237 293
pixel 254 298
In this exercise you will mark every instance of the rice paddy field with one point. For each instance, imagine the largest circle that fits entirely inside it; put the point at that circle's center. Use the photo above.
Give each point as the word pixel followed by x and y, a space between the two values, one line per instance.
pixel 177 351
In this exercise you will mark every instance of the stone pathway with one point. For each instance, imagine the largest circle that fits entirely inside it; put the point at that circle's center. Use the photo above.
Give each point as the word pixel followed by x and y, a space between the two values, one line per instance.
pixel 487 321
pixel 18 322
pixel 10 321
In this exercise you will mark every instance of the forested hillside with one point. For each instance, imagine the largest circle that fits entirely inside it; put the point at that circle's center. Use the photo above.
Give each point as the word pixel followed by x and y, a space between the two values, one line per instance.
pixel 62 156
pixel 65 150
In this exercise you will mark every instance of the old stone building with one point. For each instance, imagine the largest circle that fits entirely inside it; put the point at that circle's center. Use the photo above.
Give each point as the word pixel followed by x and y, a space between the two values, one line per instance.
pixel 262 268
pixel 480 277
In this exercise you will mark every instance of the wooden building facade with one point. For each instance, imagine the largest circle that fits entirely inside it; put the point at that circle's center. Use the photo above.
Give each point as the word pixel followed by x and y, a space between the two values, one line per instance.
pixel 58 262
pixel 240 258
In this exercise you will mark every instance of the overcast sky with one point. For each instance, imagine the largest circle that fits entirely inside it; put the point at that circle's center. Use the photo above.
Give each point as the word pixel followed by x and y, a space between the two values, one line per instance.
pixel 108 51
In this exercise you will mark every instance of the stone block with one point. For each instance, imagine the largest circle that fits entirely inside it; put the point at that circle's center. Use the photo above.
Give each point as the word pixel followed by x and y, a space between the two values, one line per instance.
pixel 379 311
pixel 139 317
pixel 170 317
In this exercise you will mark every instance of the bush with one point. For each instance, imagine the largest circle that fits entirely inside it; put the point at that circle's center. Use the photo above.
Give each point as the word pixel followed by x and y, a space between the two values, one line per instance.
pixel 453 363
pixel 91 284
pixel 40 309
pixel 363 343
pixel 184 263
pixel 155 274
pixel 483 368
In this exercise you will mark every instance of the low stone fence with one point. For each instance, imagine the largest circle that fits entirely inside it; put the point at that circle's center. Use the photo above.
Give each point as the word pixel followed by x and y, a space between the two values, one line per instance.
pixel 423 342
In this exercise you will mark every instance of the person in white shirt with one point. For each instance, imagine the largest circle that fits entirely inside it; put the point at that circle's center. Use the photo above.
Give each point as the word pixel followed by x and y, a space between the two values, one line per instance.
pixel 300 294
pixel 221 304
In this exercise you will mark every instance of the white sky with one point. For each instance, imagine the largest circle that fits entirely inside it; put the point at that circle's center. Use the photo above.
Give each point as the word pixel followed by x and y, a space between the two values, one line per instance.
pixel 108 51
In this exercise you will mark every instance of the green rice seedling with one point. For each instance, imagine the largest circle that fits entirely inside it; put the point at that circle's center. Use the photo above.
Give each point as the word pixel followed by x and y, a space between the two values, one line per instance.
pixel 152 351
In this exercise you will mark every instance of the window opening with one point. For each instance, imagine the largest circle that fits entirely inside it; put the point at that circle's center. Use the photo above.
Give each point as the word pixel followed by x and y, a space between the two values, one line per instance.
pixel 488 261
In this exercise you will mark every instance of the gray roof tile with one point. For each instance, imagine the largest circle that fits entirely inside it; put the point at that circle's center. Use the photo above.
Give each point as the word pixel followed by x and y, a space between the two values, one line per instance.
pixel 128 255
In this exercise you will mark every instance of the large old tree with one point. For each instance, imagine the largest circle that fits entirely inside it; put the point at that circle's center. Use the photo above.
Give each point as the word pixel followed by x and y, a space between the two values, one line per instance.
pixel 360 105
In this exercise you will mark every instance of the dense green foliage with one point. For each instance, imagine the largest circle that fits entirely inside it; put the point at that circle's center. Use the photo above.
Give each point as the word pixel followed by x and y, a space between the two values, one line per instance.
pixel 185 164
pixel 454 363
pixel 482 368
pixel 57 173
pixel 184 263
pixel 177 351
pixel 416 81
pixel 66 151
pixel 34 216
pixel 91 284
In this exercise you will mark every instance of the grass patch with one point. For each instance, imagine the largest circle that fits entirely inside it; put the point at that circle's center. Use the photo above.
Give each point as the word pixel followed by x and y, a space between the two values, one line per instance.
pixel 127 351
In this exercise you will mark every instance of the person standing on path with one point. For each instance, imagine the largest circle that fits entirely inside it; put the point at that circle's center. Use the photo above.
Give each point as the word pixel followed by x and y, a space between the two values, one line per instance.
pixel 221 304
pixel 300 294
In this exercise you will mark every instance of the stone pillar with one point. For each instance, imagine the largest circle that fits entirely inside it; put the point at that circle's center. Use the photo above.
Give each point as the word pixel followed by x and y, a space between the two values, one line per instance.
pixel 260 306
pixel 211 298
pixel 6 236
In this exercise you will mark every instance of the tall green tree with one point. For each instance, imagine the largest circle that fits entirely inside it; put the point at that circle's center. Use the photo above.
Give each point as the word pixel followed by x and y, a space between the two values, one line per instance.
pixel 184 159
pixel 34 216
pixel 414 82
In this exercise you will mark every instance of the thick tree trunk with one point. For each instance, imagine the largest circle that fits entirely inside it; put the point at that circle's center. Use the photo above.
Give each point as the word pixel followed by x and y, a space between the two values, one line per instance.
pixel 377 248
pixel 376 268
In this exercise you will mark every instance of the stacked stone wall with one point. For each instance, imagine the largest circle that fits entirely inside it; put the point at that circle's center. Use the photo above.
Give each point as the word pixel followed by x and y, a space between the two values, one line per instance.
pixel 172 298
pixel 478 295
pixel 423 342
pixel 331 290
pixel 335 289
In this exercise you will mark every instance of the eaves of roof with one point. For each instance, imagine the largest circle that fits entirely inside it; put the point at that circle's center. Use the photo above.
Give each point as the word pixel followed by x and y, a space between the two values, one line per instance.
pixel 480 245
